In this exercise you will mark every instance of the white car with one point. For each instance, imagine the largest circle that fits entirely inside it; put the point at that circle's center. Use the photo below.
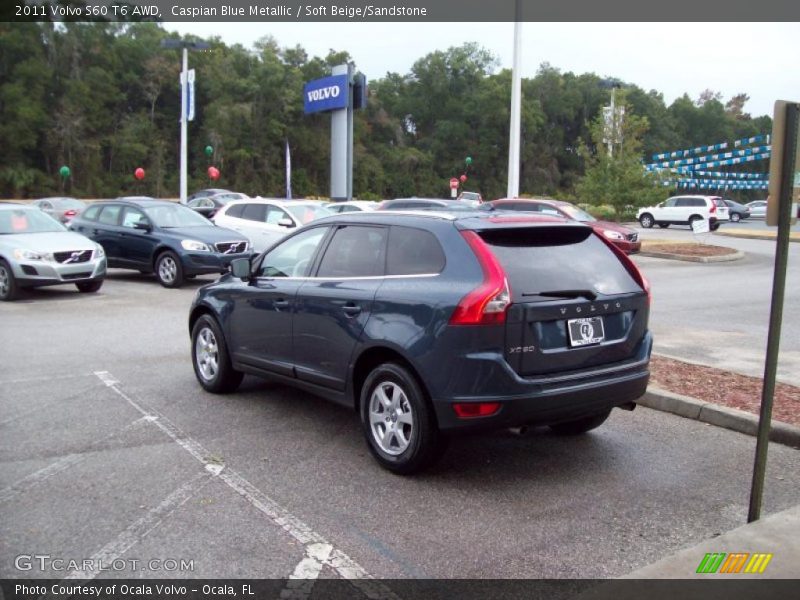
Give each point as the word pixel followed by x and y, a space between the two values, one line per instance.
pixel 758 209
pixel 684 210
pixel 352 206
pixel 265 221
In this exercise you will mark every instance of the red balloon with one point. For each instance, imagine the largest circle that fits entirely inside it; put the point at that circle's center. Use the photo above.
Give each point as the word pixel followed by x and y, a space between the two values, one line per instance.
pixel 463 178
pixel 213 173
pixel 139 173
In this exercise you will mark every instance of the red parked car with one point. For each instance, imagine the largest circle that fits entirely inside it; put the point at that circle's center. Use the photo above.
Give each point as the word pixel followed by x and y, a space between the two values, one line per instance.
pixel 624 238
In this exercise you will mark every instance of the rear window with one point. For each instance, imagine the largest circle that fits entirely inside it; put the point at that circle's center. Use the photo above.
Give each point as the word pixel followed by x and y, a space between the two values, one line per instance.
pixel 91 212
pixel 550 259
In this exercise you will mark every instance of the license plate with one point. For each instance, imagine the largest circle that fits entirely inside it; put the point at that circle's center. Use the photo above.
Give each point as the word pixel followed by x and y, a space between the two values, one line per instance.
pixel 583 332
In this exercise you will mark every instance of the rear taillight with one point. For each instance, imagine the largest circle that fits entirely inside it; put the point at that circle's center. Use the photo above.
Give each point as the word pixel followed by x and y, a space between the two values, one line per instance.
pixel 486 304
pixel 471 410
pixel 70 213
pixel 631 267
pixel 713 208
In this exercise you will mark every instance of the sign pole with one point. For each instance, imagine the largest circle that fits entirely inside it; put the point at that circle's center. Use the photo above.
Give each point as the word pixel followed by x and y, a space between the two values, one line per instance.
pixel 184 111
pixel 780 193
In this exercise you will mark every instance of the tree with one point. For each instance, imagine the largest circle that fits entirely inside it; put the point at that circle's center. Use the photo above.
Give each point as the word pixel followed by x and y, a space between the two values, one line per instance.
pixel 618 178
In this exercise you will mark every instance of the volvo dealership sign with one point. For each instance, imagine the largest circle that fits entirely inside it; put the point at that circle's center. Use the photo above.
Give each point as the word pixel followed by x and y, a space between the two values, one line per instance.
pixel 328 93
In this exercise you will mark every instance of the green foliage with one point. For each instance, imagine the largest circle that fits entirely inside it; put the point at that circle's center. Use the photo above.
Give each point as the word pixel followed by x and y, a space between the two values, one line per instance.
pixel 104 99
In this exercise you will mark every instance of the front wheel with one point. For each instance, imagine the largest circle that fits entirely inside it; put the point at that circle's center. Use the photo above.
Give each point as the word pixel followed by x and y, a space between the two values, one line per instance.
pixel 398 422
pixel 735 217
pixel 89 287
pixel 9 290
pixel 210 358
pixel 646 220
pixel 169 270
pixel 583 425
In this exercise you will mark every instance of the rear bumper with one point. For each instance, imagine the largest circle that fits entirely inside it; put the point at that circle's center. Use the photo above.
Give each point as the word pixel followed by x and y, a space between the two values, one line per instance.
pixel 547 400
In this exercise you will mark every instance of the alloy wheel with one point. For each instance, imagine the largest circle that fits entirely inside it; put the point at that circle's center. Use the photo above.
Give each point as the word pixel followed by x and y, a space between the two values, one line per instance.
pixel 167 269
pixel 390 417
pixel 206 354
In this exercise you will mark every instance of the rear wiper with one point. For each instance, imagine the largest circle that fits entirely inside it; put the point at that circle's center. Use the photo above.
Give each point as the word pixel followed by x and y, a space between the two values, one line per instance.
pixel 588 294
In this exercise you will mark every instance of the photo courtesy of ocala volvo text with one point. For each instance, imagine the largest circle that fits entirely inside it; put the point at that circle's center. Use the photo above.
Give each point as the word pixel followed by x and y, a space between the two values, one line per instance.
pixel 431 324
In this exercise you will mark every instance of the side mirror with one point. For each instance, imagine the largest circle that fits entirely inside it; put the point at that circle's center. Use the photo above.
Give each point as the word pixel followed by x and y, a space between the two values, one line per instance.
pixel 240 268
pixel 286 222
pixel 143 225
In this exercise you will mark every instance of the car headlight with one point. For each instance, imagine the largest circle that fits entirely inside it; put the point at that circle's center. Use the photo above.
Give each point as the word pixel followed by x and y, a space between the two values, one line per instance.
pixel 195 246
pixel 22 254
pixel 99 252
pixel 613 235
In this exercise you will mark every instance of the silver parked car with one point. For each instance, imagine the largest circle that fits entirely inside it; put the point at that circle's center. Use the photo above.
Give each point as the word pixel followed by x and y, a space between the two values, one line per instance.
pixel 758 209
pixel 62 209
pixel 37 250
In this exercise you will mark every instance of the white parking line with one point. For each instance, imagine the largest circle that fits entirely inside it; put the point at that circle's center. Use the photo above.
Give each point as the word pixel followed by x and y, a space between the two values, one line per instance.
pixel 315 545
pixel 37 477
pixel 141 527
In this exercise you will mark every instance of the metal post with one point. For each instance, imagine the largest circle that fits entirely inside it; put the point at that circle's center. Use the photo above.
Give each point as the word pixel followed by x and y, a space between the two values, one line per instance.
pixel 350 131
pixel 184 110
pixel 776 314
pixel 516 101
pixel 341 143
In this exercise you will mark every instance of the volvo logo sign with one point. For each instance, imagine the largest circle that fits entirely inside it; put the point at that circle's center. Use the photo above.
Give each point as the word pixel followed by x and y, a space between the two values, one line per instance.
pixel 328 93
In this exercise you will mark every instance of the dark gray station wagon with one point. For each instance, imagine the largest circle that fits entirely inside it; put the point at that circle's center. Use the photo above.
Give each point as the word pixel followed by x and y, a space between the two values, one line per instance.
pixel 431 323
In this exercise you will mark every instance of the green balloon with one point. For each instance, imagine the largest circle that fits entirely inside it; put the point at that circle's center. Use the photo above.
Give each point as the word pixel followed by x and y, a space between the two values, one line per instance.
pixel 468 160
pixel 208 150
pixel 64 171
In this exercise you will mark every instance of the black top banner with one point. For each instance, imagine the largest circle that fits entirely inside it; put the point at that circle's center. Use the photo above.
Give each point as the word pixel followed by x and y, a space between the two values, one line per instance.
pixel 403 11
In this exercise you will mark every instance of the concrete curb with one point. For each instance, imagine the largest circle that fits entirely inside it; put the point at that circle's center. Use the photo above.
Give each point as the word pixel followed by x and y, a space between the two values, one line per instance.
pixel 714 414
pixel 699 259
pixel 755 236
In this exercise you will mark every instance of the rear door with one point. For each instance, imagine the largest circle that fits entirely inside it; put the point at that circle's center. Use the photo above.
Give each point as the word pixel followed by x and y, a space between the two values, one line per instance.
pixel 574 303
pixel 333 307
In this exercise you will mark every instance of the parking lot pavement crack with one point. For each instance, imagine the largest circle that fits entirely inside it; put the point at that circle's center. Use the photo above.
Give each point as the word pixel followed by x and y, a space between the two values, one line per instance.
pixel 313 542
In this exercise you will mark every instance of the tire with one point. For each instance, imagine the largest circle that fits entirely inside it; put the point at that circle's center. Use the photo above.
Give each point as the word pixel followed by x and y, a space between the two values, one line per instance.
pixel 663 225
pixel 392 397
pixel 735 217
pixel 169 270
pixel 579 426
pixel 646 220
pixel 89 287
pixel 714 227
pixel 694 218
pixel 9 289
pixel 210 358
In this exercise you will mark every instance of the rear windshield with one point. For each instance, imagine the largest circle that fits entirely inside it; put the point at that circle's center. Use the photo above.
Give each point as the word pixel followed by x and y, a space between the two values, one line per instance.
pixel 550 259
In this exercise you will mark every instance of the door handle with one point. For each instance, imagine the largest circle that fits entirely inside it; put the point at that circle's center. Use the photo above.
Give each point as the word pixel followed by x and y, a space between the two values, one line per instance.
pixel 351 310
pixel 281 303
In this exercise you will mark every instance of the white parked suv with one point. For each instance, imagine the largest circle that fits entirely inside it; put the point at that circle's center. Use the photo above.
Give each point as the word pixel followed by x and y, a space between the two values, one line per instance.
pixel 265 221
pixel 684 210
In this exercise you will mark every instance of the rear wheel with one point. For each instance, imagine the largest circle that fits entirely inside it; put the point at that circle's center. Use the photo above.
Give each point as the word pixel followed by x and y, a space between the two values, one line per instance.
pixel 579 426
pixel 735 217
pixel 210 358
pixel 89 287
pixel 169 270
pixel 9 290
pixel 398 422
pixel 646 220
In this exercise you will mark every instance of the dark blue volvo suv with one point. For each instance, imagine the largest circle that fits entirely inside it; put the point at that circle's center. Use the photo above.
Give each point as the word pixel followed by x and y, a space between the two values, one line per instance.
pixel 434 323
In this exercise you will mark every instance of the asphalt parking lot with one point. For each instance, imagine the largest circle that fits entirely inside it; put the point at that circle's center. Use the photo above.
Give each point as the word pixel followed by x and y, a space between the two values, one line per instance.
pixel 110 451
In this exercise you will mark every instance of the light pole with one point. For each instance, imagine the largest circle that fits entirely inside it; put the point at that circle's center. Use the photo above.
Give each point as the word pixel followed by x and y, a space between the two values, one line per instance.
pixel 516 107
pixel 186 46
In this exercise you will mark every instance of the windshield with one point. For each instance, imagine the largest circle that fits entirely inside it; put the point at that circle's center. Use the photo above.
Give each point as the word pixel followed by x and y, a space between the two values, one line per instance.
pixel 576 213
pixel 26 220
pixel 305 213
pixel 175 215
